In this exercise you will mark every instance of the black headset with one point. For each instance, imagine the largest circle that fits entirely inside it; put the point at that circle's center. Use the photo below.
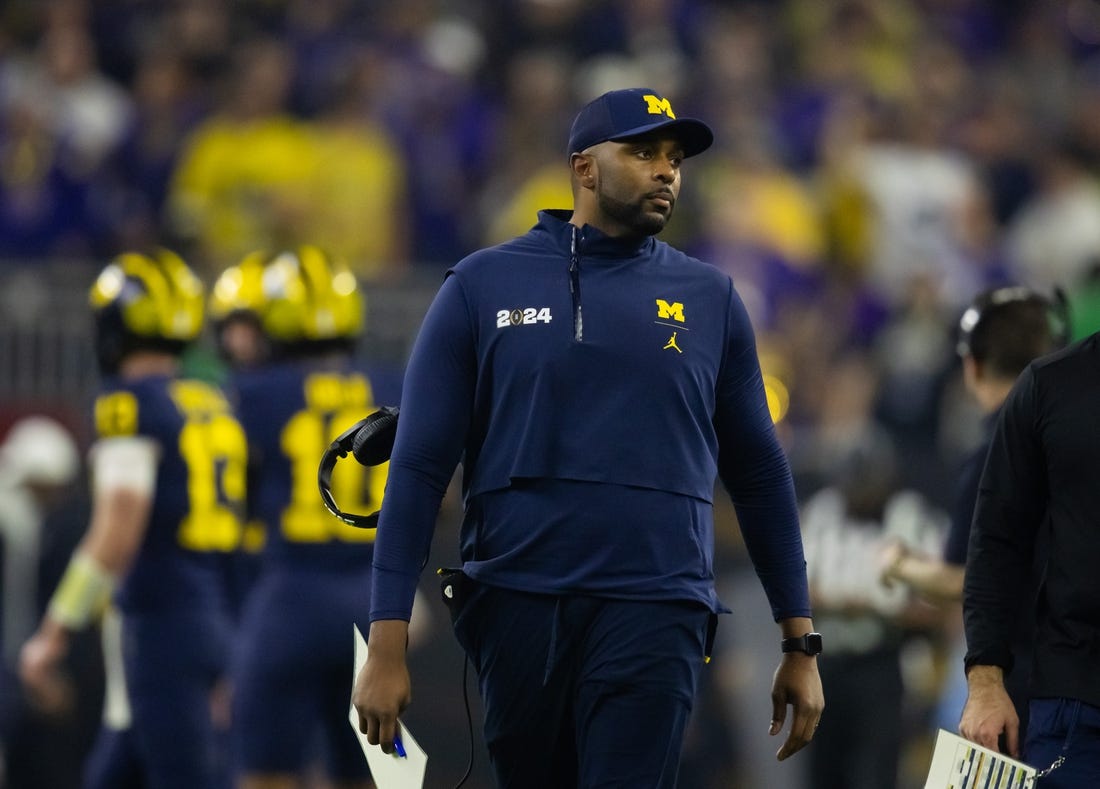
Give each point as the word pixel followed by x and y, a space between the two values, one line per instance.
pixel 370 441
pixel 1057 309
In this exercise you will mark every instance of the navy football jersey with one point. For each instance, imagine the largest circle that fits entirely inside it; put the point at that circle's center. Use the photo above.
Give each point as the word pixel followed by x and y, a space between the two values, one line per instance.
pixel 200 488
pixel 291 413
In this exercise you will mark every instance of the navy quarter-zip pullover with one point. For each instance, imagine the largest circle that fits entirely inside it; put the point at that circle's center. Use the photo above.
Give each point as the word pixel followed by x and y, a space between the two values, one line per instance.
pixel 594 390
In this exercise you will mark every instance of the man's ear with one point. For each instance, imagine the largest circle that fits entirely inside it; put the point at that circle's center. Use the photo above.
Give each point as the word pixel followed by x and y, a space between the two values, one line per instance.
pixel 584 169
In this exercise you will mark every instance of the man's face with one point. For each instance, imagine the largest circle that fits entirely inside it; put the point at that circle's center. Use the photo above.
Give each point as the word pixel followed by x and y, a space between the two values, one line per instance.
pixel 637 183
pixel 243 342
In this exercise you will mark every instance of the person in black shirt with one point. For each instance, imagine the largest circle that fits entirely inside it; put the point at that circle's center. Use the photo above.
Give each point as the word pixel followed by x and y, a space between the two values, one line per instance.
pixel 1001 331
pixel 1040 477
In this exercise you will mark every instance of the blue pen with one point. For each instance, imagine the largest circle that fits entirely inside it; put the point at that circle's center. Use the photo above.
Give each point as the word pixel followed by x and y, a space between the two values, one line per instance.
pixel 398 747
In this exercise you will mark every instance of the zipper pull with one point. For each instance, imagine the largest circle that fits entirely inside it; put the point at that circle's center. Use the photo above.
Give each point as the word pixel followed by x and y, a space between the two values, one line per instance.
pixel 575 285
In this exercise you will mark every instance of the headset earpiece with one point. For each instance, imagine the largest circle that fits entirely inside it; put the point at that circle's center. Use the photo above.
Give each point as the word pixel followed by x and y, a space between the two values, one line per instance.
pixel 370 441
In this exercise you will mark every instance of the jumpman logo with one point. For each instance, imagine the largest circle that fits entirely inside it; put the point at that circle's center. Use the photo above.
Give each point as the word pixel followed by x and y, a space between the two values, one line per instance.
pixel 672 344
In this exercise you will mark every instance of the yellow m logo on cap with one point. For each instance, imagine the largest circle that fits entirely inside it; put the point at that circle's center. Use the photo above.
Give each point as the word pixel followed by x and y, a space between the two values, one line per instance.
pixel 675 310
pixel 655 105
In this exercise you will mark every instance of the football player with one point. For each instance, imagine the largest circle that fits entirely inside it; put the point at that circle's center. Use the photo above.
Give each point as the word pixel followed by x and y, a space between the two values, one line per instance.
pixel 168 482
pixel 292 670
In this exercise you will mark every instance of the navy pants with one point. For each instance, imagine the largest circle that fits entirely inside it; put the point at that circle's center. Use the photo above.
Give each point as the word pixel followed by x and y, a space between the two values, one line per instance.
pixel 113 761
pixel 172 664
pixel 295 645
pixel 1069 728
pixel 581 691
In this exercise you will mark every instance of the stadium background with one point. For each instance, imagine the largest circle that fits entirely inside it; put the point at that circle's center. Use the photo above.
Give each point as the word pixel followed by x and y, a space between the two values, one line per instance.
pixel 877 163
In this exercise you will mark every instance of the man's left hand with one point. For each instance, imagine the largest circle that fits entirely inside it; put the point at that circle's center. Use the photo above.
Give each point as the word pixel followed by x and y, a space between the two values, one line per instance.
pixel 798 684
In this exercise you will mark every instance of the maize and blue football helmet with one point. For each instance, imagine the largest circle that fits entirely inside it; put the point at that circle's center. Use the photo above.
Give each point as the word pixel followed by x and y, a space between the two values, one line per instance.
pixel 139 301
pixel 302 299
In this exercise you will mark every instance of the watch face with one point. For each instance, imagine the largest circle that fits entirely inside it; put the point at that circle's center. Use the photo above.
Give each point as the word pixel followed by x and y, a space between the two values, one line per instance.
pixel 810 644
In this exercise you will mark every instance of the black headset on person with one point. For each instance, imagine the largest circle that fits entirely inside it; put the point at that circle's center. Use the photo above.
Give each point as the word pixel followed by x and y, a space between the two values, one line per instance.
pixel 1057 308
pixel 370 441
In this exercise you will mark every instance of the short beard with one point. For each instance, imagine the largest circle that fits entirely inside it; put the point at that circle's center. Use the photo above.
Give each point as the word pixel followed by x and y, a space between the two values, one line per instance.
pixel 631 215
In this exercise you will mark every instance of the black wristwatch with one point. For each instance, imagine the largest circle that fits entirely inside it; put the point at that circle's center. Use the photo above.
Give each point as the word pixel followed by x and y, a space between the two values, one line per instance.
pixel 810 644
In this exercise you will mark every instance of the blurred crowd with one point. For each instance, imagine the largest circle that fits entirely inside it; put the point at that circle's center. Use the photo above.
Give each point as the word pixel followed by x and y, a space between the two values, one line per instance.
pixel 877 163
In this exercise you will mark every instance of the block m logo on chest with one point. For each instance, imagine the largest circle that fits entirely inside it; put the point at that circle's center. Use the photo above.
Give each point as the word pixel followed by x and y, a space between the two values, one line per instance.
pixel 673 311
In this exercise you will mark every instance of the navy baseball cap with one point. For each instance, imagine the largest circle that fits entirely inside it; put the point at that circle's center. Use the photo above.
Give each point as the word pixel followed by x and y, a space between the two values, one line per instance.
pixel 621 114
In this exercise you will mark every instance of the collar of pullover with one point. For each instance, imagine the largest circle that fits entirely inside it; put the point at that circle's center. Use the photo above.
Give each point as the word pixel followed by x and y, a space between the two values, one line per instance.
pixel 592 243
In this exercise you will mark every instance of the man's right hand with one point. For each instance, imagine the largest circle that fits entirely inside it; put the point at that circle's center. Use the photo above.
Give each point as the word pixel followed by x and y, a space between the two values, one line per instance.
pixel 383 688
pixel 989 711
pixel 48 689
